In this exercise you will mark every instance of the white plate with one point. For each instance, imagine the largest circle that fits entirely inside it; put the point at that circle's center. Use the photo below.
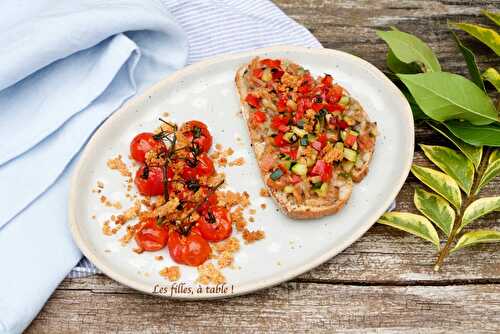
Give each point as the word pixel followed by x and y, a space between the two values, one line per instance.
pixel 206 91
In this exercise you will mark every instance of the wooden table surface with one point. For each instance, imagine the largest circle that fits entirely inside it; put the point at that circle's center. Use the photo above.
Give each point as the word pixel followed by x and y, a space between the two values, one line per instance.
pixel 382 282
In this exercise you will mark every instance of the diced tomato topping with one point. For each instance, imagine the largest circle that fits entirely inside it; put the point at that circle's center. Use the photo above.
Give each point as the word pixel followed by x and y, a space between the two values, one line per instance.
pixel 291 152
pixel 317 106
pixel 316 145
pixel 253 100
pixel 277 74
pixel 327 80
pixel 334 94
pixel 271 62
pixel 282 104
pixel 283 128
pixel 278 121
pixel 365 142
pixel 259 116
pixel 257 73
pixel 279 141
pixel 350 139
pixel 333 107
pixel 267 162
pixel 342 124
pixel 322 169
pixel 294 178
pixel 319 143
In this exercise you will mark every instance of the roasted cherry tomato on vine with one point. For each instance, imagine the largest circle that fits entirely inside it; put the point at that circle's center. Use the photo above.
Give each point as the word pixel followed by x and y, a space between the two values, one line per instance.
pixel 216 224
pixel 197 133
pixel 191 250
pixel 143 143
pixel 149 180
pixel 151 237
pixel 198 166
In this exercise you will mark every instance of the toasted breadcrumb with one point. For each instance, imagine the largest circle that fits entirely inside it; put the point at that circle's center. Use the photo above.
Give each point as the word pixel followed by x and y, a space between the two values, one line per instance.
pixel 159 258
pixel 252 236
pixel 131 213
pixel 172 273
pixel 251 219
pixel 228 152
pixel 238 162
pixel 238 219
pixel 225 259
pixel 222 162
pixel 208 273
pixel 264 192
pixel 106 229
pixel 218 147
pixel 128 236
pixel 100 184
pixel 118 164
pixel 263 205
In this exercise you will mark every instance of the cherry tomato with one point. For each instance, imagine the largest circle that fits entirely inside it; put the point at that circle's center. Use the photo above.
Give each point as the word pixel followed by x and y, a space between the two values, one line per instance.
pixel 191 250
pixel 322 169
pixel 151 237
pixel 149 180
pixel 216 224
pixel 202 165
pixel 259 116
pixel 143 143
pixel 253 100
pixel 197 133
pixel 210 202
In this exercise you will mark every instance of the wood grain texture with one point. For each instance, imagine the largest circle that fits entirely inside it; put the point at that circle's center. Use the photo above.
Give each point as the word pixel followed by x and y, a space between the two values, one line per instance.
pixel 383 282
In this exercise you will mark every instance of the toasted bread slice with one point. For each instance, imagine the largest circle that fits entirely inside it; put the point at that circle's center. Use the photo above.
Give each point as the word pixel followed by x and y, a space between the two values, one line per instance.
pixel 340 187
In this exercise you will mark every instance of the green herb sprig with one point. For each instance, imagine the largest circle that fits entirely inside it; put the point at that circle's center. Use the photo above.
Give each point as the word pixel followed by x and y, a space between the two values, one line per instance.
pixel 462 111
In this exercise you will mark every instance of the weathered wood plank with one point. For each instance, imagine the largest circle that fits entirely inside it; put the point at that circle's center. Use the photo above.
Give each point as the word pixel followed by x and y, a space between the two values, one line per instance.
pixel 291 307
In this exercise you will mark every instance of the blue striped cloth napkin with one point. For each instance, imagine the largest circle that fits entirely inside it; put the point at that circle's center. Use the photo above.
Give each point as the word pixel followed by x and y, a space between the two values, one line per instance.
pixel 65 66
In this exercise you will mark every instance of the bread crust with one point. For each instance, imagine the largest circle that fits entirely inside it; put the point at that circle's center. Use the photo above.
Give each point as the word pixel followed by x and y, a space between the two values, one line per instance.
pixel 289 208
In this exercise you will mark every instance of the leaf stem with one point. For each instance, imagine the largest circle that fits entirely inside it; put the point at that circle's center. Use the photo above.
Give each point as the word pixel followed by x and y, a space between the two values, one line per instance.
pixel 443 253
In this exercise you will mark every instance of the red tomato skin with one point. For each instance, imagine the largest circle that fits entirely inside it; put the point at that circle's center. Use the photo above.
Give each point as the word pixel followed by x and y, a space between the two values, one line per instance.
pixel 204 167
pixel 143 143
pixel 365 142
pixel 270 62
pixel 175 247
pixel 322 169
pixel 279 141
pixel 259 116
pixel 191 250
pixel 151 237
pixel 279 121
pixel 253 100
pixel 257 73
pixel 350 139
pixel 327 80
pixel 205 140
pixel 153 184
pixel 220 230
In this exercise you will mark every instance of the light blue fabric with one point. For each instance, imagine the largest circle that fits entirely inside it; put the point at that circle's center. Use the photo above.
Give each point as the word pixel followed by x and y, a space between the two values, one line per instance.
pixel 64 67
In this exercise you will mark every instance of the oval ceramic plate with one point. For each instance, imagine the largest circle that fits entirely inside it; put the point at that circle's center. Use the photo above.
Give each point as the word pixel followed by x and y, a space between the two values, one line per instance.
pixel 206 91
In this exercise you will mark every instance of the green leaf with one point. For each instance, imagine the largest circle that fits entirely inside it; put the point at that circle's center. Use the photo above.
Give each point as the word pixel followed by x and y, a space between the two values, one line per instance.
pixel 488 36
pixel 470 60
pixel 444 96
pixel 476 237
pixel 441 183
pixel 495 17
pixel 397 66
pixel 410 49
pixel 435 208
pixel 488 135
pixel 492 170
pixel 411 223
pixel 479 208
pixel 473 153
pixel 452 163
pixel 493 77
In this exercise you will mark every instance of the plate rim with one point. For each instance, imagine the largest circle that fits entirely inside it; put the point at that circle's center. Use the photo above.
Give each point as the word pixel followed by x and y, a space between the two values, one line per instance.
pixel 273 280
